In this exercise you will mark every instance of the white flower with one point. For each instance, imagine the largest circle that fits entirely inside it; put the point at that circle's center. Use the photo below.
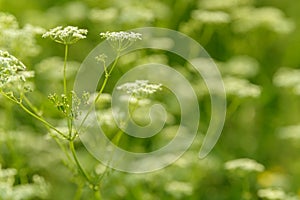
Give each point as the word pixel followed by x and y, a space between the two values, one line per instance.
pixel 242 66
pixel 244 164
pixel 290 132
pixel 271 194
pixel 101 58
pixel 121 36
pixel 250 18
pixel 121 40
pixel 179 189
pixel 67 35
pixel 288 78
pixel 140 88
pixel 11 69
pixel 224 4
pixel 241 87
pixel 8 21
pixel 211 17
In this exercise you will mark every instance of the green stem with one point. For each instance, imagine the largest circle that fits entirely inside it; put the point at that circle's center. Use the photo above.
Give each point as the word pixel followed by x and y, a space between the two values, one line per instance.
pixel 42 120
pixel 106 78
pixel 69 110
pixel 116 139
pixel 78 193
pixel 47 124
pixel 100 91
pixel 206 35
pixel 83 173
pixel 31 106
pixel 233 106
pixel 65 69
pixel 98 195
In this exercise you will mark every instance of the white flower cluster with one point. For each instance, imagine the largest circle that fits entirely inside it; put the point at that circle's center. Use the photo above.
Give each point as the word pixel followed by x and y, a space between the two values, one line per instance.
pixel 224 4
pixel 121 36
pixel 121 40
pixel 241 66
pixel 101 58
pixel 140 88
pixel 241 14
pixel 290 132
pixel 273 19
pixel 11 69
pixel 8 21
pixel 241 87
pixel 8 190
pixel 179 189
pixel 67 35
pixel 20 42
pixel 272 194
pixel 288 78
pixel 244 164
pixel 211 17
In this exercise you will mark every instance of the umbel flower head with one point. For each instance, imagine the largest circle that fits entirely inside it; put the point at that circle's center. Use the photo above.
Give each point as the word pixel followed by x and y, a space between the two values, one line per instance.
pixel 121 40
pixel 244 164
pixel 67 35
pixel 139 88
pixel 272 194
pixel 11 70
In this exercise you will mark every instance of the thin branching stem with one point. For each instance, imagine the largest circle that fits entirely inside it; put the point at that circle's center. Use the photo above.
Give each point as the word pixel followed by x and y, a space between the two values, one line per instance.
pixel 100 92
pixel 81 170
pixel 47 124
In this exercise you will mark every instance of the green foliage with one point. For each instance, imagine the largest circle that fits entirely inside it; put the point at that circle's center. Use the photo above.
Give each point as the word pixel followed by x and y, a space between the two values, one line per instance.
pixel 254 44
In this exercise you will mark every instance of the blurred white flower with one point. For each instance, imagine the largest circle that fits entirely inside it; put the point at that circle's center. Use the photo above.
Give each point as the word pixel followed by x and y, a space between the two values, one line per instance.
pixel 211 17
pixel 273 19
pixel 290 132
pixel 272 194
pixel 103 15
pixel 244 164
pixel 136 14
pixel 179 189
pixel 288 78
pixel 241 87
pixel 67 35
pixel 20 42
pixel 8 21
pixel 243 66
pixel 224 4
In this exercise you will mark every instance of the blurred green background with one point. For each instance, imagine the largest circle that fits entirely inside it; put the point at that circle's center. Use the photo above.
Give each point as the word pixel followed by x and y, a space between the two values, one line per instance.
pixel 255 44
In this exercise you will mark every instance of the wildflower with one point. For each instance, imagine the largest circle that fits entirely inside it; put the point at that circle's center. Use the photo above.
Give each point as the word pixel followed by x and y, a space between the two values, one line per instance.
pixel 241 87
pixel 11 69
pixel 273 19
pixel 179 189
pixel 242 66
pixel 48 69
pixel 290 132
pixel 211 17
pixel 121 36
pixel 121 40
pixel 244 164
pixel 224 4
pixel 8 21
pixel 271 194
pixel 101 58
pixel 288 78
pixel 140 88
pixel 67 35
pixel 104 16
